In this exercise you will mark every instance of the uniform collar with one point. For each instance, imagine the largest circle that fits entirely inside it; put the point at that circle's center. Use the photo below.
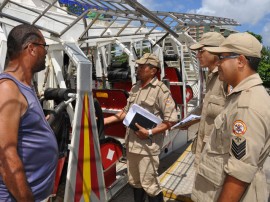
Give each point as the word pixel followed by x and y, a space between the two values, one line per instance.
pixel 215 70
pixel 153 82
pixel 247 83
pixel 211 74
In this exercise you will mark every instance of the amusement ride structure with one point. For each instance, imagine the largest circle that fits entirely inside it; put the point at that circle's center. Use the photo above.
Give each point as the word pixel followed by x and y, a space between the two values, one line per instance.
pixel 85 79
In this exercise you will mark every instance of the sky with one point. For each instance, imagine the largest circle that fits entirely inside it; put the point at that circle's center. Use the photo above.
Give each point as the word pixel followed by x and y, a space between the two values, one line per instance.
pixel 253 15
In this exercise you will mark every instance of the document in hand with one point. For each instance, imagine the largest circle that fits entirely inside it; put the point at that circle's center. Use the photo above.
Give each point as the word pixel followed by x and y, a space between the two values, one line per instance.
pixel 137 114
pixel 188 121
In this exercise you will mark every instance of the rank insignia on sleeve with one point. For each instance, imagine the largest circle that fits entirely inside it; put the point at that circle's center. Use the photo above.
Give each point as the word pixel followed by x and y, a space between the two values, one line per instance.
pixel 239 128
pixel 238 147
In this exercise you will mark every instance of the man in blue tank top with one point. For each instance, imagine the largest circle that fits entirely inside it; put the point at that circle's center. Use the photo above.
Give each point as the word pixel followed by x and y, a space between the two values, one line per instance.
pixel 28 148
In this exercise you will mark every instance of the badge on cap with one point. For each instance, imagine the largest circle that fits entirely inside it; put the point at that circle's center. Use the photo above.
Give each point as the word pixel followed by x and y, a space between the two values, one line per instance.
pixel 239 128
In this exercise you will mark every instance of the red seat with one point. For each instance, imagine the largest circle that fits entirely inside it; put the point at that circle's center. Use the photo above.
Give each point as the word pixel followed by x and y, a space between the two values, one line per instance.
pixel 173 75
pixel 112 99
pixel 124 85
pixel 111 151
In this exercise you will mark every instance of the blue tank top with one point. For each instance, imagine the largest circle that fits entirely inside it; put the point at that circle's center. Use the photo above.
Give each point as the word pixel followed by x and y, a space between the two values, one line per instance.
pixel 37 147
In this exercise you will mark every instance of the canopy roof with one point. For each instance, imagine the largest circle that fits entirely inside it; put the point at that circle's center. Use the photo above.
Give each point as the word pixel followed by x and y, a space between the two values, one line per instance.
pixel 100 18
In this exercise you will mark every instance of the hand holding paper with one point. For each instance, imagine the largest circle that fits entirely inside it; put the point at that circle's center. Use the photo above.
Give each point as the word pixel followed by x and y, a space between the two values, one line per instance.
pixel 187 122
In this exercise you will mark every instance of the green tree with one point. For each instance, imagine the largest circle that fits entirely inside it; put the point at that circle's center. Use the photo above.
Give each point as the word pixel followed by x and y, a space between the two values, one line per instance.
pixel 264 67
pixel 121 58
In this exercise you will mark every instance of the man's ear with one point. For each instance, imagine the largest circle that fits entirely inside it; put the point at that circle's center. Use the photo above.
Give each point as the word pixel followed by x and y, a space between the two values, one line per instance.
pixel 154 71
pixel 31 49
pixel 242 61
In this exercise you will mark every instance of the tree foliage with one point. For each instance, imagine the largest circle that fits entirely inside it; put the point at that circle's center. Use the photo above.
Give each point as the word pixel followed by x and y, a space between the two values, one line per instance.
pixel 121 58
pixel 264 67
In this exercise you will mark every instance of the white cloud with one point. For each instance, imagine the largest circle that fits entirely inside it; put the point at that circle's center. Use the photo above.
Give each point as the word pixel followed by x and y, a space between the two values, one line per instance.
pixel 244 11
pixel 251 14
pixel 169 5
pixel 266 34
pixel 150 4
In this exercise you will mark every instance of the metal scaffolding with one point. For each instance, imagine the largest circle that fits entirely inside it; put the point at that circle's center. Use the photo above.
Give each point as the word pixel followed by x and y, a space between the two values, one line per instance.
pixel 102 18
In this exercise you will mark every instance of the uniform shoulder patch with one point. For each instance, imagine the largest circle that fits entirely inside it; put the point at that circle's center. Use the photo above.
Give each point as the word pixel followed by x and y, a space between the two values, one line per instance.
pixel 238 144
pixel 239 128
pixel 168 101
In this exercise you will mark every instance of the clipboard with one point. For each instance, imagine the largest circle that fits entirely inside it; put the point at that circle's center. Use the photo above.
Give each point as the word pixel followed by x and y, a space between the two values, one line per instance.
pixel 137 114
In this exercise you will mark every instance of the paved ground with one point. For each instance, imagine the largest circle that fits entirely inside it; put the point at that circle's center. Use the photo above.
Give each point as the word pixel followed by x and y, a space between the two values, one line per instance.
pixel 127 193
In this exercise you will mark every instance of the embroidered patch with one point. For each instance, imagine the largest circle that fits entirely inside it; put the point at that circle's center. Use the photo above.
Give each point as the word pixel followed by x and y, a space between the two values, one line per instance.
pixel 238 147
pixel 239 128
pixel 168 101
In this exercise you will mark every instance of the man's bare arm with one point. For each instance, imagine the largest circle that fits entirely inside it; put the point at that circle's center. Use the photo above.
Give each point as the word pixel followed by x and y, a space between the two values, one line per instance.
pixel 160 128
pixel 232 190
pixel 11 167
pixel 115 118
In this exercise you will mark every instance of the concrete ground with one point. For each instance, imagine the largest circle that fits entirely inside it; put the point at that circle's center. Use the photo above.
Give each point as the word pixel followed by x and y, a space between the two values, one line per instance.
pixel 127 193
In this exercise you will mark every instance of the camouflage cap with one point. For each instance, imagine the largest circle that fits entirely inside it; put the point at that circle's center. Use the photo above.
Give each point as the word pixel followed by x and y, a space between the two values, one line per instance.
pixel 240 43
pixel 149 58
pixel 208 39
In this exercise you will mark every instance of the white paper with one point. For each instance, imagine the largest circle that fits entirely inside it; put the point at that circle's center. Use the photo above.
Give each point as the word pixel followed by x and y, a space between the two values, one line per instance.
pixel 187 119
pixel 137 109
